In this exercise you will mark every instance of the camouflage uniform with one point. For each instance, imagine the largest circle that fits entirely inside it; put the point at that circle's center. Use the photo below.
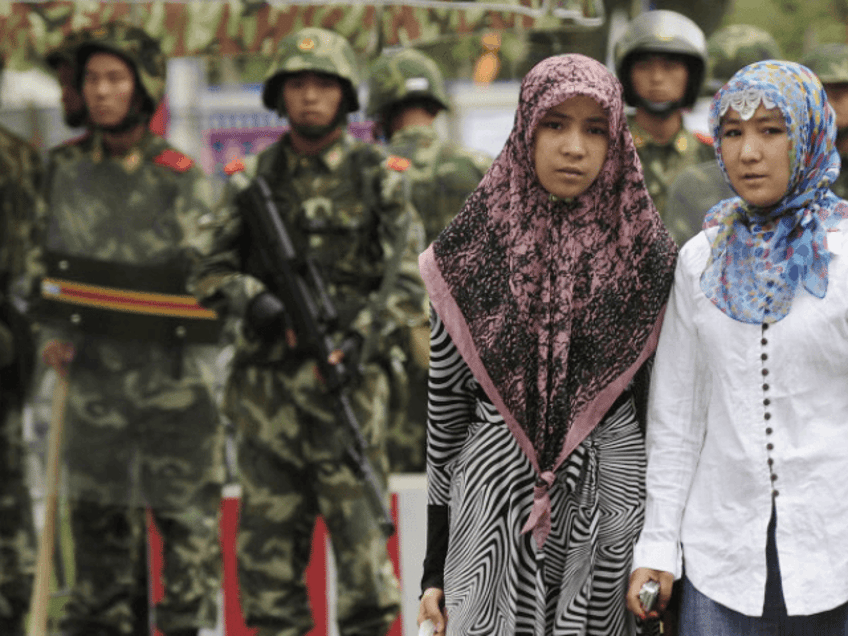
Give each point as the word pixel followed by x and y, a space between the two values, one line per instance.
pixel 348 211
pixel 694 192
pixel 830 63
pixel 662 163
pixel 699 187
pixel 20 176
pixel 442 174
pixel 141 425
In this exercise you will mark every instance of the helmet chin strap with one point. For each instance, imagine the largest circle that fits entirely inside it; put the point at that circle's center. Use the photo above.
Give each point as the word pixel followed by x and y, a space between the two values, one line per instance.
pixel 663 110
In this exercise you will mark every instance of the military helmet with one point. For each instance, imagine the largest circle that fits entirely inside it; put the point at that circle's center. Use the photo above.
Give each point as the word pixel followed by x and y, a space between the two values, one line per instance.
pixel 316 50
pixel 407 74
pixel 733 47
pixel 134 45
pixel 829 62
pixel 662 31
pixel 66 52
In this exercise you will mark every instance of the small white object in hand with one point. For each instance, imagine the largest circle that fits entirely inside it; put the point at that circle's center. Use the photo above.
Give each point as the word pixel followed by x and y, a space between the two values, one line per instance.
pixel 427 628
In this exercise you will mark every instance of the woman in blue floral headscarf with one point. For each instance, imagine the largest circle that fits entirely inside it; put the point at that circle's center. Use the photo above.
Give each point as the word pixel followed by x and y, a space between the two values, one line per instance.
pixel 747 440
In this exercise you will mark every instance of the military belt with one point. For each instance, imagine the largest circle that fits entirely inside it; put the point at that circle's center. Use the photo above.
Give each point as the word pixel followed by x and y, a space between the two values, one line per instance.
pixel 126 313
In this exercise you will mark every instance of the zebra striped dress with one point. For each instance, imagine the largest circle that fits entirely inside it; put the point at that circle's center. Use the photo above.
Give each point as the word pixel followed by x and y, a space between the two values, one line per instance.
pixel 496 581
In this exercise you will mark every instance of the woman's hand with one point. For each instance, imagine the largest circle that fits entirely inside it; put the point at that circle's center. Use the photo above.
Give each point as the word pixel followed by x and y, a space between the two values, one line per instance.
pixel 637 580
pixel 431 607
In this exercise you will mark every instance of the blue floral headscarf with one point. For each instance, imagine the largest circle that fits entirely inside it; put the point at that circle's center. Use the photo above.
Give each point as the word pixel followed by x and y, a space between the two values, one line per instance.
pixel 759 256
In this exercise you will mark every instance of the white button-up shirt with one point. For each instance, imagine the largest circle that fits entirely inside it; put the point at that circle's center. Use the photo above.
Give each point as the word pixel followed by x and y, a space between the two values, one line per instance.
pixel 741 415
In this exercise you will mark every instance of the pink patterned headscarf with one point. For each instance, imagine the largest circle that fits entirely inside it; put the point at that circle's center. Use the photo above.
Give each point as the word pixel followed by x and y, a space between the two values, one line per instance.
pixel 554 305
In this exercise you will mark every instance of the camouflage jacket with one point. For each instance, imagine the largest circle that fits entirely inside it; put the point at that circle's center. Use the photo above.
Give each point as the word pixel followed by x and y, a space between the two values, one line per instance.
pixel 21 174
pixel 662 163
pixel 442 174
pixel 20 208
pixel 119 227
pixel 348 211
pixel 695 190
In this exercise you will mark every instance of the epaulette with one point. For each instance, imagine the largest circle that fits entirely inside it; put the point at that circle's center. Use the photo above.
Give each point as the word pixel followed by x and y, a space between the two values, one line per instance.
pixel 398 164
pixel 174 160
pixel 703 138
pixel 236 165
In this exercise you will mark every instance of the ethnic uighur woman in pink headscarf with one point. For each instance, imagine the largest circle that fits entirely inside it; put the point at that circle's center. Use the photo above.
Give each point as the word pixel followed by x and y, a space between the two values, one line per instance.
pixel 547 294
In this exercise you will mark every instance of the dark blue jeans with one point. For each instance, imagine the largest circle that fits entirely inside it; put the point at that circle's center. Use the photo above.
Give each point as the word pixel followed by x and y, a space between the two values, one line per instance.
pixel 701 616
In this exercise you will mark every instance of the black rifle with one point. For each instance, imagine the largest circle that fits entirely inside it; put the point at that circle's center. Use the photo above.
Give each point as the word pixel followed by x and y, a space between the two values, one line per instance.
pixel 297 282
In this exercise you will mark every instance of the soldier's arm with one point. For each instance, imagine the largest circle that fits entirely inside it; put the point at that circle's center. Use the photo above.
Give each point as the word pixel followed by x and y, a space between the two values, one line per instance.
pixel 398 309
pixel 28 219
pixel 213 247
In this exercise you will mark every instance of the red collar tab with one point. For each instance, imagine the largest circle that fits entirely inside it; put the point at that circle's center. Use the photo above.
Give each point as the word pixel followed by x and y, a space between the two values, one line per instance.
pixel 236 165
pixel 174 160
pixel 399 164
pixel 703 138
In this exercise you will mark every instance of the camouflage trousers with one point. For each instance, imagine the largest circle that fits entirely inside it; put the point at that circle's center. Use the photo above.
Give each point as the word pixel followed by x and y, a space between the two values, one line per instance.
pixel 16 529
pixel 406 440
pixel 139 437
pixel 292 468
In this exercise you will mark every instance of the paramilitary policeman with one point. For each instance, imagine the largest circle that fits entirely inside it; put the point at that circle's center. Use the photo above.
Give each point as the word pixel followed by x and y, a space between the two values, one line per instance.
pixel 406 92
pixel 830 63
pixel 698 188
pixel 142 430
pixel 20 177
pixel 660 61
pixel 345 205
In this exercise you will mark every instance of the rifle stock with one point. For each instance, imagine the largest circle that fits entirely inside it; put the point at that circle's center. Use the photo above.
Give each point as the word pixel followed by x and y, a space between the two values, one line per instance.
pixel 311 320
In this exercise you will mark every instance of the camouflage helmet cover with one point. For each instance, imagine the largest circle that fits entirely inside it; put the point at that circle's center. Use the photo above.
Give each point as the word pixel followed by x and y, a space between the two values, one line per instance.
pixel 829 62
pixel 403 75
pixel 316 50
pixel 662 31
pixel 66 52
pixel 733 47
pixel 135 46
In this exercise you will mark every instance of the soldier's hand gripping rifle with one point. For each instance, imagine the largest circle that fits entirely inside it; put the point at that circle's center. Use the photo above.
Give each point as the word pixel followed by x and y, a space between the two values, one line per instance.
pixel 298 283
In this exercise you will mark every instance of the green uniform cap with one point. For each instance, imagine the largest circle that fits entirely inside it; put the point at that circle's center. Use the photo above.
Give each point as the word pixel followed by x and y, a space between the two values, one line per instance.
pixel 313 50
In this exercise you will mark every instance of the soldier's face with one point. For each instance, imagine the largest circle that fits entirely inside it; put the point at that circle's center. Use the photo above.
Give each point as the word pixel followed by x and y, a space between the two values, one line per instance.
pixel 312 99
pixel 73 106
pixel 108 89
pixel 837 95
pixel 756 155
pixel 659 78
pixel 571 146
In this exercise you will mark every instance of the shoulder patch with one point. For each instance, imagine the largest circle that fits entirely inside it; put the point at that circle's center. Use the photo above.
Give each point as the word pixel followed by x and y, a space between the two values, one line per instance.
pixel 398 164
pixel 703 138
pixel 236 165
pixel 174 160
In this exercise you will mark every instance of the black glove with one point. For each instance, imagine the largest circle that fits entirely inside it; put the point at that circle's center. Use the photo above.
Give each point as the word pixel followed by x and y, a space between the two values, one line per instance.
pixel 266 316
